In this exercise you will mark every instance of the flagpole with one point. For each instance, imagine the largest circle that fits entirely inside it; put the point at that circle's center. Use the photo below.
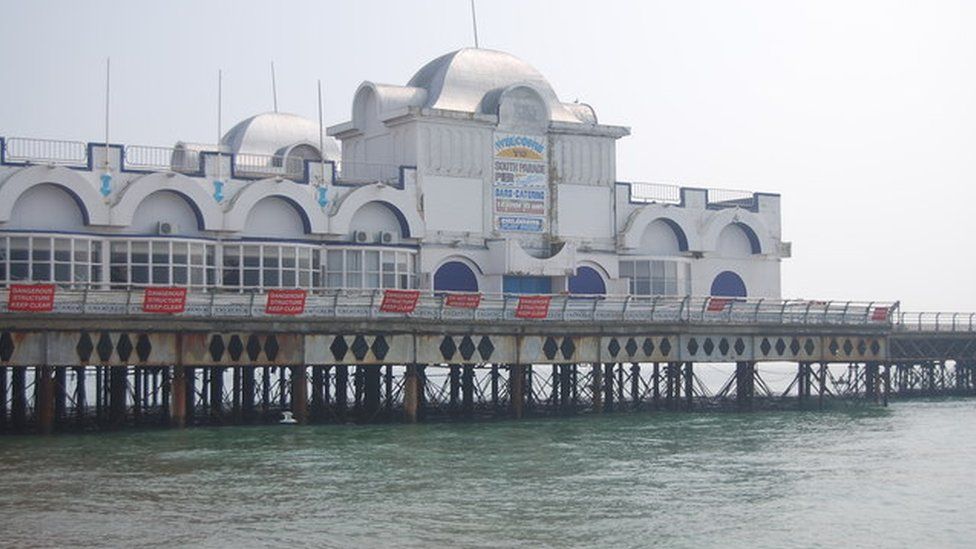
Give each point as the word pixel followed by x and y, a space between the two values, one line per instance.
pixel 474 24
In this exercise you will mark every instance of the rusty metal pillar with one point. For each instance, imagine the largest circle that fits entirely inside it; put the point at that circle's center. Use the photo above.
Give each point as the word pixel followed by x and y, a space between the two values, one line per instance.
pixel 190 394
pixel 411 393
pixel 387 391
pixel 265 392
pixel 318 404
pixel 656 385
pixel 18 397
pixel 745 379
pixel 177 397
pixel 3 397
pixel 372 381
pixel 467 390
pixel 597 387
pixel 216 395
pixel 871 381
pixel 299 393
pixel 236 386
pixel 117 395
pixel 248 387
pixel 44 399
pixel 530 399
pixel 671 385
pixel 689 385
pixel 635 392
pixel 137 401
pixel 608 387
pixel 454 389
pixel 886 389
pixel 494 389
pixel 565 387
pixel 341 391
pixel 516 389
pixel 60 395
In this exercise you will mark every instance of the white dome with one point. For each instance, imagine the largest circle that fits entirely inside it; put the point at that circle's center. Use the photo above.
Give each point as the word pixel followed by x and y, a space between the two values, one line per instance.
pixel 274 133
pixel 461 80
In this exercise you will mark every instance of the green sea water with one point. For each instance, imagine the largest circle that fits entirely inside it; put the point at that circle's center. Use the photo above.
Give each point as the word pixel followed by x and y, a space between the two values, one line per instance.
pixel 904 476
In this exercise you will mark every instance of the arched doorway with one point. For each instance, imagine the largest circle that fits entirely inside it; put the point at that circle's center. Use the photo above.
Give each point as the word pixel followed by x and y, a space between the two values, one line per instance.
pixel 455 276
pixel 728 284
pixel 587 281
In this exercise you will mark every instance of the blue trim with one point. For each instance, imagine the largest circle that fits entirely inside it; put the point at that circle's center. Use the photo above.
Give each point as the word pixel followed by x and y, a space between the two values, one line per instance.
pixel 751 235
pixel 679 233
pixel 587 281
pixel 455 276
pixel 728 284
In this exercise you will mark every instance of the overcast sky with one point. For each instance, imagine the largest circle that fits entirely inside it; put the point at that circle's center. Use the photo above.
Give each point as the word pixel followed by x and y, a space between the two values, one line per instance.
pixel 861 114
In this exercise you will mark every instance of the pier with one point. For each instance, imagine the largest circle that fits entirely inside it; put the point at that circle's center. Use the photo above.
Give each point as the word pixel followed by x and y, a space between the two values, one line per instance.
pixel 96 361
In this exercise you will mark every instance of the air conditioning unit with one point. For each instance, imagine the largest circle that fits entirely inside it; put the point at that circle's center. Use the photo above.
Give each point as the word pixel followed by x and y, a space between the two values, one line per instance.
pixel 167 228
pixel 360 237
pixel 386 237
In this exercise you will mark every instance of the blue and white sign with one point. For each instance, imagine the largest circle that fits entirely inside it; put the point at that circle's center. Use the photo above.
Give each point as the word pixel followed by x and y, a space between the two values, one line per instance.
pixel 521 185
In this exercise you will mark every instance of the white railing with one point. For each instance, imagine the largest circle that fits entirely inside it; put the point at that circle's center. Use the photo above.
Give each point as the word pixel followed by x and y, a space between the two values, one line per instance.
pixel 360 304
pixel 261 165
pixel 25 149
pixel 937 322
pixel 655 192
pixel 728 195
pixel 161 158
pixel 361 173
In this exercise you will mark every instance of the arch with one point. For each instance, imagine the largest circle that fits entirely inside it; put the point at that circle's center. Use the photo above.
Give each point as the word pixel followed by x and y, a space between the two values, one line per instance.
pixel 379 216
pixel 587 280
pixel 167 206
pixel 47 207
pixel 677 219
pixel 399 202
pixel 728 284
pixel 756 230
pixel 455 275
pixel 276 217
pixel 206 209
pixel 298 196
pixel 737 240
pixel 94 211
pixel 660 230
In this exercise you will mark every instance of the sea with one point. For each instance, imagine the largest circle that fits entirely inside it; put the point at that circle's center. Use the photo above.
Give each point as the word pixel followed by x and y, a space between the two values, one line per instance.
pixel 852 476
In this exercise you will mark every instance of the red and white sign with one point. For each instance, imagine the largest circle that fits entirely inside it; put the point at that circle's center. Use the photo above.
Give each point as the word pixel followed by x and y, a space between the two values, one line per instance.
pixel 31 298
pixel 164 300
pixel 285 302
pixel 399 301
pixel 718 304
pixel 533 306
pixel 880 314
pixel 463 301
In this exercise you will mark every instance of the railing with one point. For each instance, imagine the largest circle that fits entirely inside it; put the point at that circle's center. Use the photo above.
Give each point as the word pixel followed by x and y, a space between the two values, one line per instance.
pixel 937 322
pixel 497 307
pixel 291 167
pixel 25 149
pixel 731 196
pixel 655 192
pixel 360 173
pixel 162 158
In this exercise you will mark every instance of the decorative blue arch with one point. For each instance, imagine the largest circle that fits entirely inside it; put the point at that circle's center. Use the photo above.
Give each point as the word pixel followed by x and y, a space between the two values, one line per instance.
pixel 455 276
pixel 587 281
pixel 728 284
pixel 751 235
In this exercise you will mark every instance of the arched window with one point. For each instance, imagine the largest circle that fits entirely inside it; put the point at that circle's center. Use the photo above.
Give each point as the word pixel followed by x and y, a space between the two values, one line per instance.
pixel 587 281
pixel 455 276
pixel 728 284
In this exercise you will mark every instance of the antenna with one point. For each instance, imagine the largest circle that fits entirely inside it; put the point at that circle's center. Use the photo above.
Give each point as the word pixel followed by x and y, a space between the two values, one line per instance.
pixel 474 24
pixel 321 136
pixel 108 81
pixel 274 88
pixel 218 182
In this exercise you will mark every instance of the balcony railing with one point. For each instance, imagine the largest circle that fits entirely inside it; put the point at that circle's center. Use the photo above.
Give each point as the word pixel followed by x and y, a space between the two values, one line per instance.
pixel 937 322
pixel 361 173
pixel 162 158
pixel 655 192
pixel 46 151
pixel 359 304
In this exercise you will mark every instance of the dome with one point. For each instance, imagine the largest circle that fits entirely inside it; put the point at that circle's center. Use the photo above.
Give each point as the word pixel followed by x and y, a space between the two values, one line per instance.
pixel 273 133
pixel 461 80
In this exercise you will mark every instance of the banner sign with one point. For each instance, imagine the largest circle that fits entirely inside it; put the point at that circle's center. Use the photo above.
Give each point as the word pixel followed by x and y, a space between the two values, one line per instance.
pixel 31 298
pixel 533 306
pixel 285 302
pixel 520 194
pixel 880 314
pixel 399 301
pixel 164 300
pixel 463 301
pixel 718 304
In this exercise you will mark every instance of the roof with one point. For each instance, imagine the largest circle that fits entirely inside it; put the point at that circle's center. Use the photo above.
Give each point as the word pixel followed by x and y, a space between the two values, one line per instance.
pixel 272 133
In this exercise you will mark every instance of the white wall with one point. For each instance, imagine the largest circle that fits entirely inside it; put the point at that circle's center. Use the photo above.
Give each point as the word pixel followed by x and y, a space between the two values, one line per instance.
pixel 46 207
pixel 453 204
pixel 584 211
pixel 374 217
pixel 164 206
pixel 274 217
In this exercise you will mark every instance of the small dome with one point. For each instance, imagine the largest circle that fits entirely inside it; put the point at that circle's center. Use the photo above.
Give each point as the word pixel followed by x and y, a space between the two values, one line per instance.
pixel 460 80
pixel 273 133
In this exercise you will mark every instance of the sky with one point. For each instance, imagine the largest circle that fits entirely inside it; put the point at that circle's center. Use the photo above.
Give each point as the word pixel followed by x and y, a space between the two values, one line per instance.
pixel 861 114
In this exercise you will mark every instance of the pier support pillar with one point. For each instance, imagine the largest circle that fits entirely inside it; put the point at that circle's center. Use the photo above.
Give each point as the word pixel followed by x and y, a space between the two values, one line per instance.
pixel 177 396
pixel 608 387
pixel 565 387
pixel 3 397
pixel 689 385
pixel 247 393
pixel 597 387
pixel 216 395
pixel 411 393
pixel 60 395
pixel 299 394
pixel 342 391
pixel 18 397
pixel 467 390
pixel 745 378
pixel 117 395
pixel 635 389
pixel 454 389
pixel 189 394
pixel 318 404
pixel 516 389
pixel 871 381
pixel 44 399
pixel 372 381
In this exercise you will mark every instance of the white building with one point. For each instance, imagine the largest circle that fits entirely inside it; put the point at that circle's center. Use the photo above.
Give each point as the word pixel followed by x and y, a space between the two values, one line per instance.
pixel 473 176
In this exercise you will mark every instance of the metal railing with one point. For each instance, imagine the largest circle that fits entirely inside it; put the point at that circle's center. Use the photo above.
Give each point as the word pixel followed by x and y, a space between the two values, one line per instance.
pixel 51 151
pixel 732 196
pixel 937 322
pixel 655 192
pixel 360 304
pixel 162 158
pixel 291 167
pixel 362 173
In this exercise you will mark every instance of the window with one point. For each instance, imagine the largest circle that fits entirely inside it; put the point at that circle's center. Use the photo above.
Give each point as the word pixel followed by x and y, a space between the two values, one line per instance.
pixel 257 266
pixel 161 262
pixel 657 277
pixel 370 268
pixel 70 261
